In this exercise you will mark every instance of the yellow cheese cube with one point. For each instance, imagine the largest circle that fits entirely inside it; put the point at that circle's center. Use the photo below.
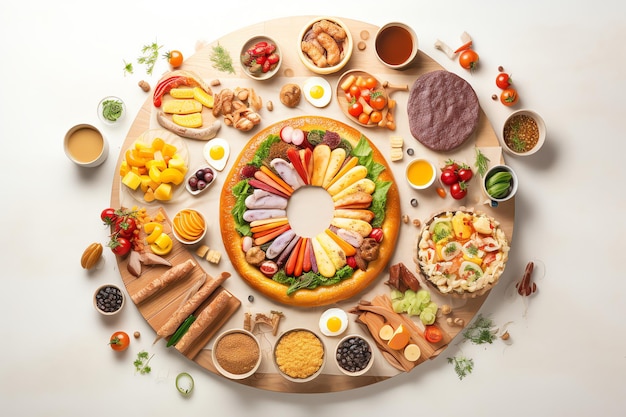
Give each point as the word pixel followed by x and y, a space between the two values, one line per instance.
pixel 131 180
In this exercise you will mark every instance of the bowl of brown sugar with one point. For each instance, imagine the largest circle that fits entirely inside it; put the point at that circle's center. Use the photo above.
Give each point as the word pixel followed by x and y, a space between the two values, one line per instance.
pixel 523 133
pixel 236 354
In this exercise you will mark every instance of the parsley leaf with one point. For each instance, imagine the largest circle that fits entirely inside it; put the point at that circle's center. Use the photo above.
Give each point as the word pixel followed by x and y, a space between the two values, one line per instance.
pixel 463 366
pixel 480 331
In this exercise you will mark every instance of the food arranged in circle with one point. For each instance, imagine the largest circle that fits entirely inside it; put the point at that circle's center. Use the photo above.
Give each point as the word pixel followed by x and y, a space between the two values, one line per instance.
pixel 462 253
pixel 335 264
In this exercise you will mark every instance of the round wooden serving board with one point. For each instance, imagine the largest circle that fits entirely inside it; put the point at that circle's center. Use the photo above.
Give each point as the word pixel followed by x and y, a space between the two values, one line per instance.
pixel 156 310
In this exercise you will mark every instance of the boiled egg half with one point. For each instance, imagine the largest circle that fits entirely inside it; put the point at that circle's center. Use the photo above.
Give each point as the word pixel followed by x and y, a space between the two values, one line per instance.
pixel 317 91
pixel 216 152
pixel 333 322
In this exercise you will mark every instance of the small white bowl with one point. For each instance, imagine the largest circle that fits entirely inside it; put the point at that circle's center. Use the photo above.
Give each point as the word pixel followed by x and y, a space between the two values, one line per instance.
pixel 541 128
pixel 512 189
pixel 351 340
pixel 425 163
pixel 389 35
pixel 109 294
pixel 86 146
pixel 347 47
pixel 232 351
pixel 196 191
pixel 178 223
pixel 310 377
pixel 116 101
pixel 260 75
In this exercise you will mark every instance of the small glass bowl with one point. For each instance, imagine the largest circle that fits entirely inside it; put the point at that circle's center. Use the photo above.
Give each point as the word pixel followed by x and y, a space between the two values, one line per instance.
pixel 115 101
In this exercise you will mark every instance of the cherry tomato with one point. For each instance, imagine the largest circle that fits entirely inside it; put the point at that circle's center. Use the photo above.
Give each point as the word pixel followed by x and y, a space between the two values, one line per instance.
pixel 503 80
pixel 509 97
pixel 465 173
pixel 175 58
pixel 355 108
pixel 370 82
pixel 361 82
pixel 364 118
pixel 458 190
pixel 119 341
pixel 355 91
pixel 451 164
pixel 469 59
pixel 108 216
pixel 449 177
pixel 120 246
pixel 126 226
pixel 433 334
pixel 378 101
pixel 376 116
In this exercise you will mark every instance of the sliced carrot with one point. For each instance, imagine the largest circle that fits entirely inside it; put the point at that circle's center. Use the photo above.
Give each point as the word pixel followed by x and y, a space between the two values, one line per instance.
pixel 262 176
pixel 294 157
pixel 266 238
pixel 300 260
pixel 306 262
pixel 466 45
pixel 290 266
pixel 348 249
pixel 347 166
pixel 269 226
pixel 256 223
pixel 306 156
pixel 276 178
pixel 263 186
pixel 265 232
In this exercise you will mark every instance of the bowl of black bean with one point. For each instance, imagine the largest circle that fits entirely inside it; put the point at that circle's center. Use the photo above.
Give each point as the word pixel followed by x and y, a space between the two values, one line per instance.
pixel 108 299
pixel 353 355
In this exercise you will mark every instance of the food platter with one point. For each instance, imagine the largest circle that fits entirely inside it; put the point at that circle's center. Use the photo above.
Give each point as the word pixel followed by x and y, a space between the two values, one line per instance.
pixel 344 102
pixel 247 300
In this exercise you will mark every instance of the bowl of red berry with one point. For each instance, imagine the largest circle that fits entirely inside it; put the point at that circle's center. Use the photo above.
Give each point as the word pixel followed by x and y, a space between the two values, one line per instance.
pixel 260 57
pixel 200 180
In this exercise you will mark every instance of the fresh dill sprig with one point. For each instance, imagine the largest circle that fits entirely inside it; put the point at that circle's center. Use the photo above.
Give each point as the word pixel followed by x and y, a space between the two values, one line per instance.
pixel 480 331
pixel 221 59
pixel 482 162
pixel 150 54
pixel 463 366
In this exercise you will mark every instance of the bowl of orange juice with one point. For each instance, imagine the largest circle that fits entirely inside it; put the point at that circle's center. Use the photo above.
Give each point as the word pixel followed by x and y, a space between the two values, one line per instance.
pixel 421 173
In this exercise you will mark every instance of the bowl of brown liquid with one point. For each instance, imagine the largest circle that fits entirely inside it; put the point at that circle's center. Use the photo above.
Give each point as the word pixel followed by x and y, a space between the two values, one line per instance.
pixel 396 45
pixel 85 145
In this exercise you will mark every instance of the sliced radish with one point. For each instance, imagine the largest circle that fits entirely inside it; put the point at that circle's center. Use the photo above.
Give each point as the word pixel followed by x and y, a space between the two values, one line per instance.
pixel 297 137
pixel 286 133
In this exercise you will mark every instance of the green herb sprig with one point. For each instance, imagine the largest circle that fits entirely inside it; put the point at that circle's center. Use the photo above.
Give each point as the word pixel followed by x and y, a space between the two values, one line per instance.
pixel 142 361
pixel 150 54
pixel 480 331
pixel 463 366
pixel 221 59
pixel 482 162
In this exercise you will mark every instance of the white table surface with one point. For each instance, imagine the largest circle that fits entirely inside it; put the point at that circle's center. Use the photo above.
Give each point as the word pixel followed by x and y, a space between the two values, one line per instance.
pixel 568 350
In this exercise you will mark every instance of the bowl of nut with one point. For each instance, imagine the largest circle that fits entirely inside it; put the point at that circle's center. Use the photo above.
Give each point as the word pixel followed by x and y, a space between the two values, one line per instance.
pixel 325 45
pixel 260 57
pixel 353 355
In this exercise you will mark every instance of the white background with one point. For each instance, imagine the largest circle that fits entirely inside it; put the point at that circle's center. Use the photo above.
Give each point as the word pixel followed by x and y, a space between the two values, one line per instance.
pixel 568 352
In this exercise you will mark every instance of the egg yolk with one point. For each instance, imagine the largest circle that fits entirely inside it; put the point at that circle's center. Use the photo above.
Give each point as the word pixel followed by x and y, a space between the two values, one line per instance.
pixel 317 91
pixel 333 324
pixel 217 152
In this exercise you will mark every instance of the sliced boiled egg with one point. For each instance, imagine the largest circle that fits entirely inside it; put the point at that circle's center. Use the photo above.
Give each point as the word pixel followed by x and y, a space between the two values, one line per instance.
pixel 317 91
pixel 216 152
pixel 333 322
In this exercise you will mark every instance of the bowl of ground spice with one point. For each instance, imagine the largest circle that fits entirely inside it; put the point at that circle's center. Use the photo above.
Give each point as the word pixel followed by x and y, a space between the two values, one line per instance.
pixel 299 355
pixel 523 133
pixel 236 354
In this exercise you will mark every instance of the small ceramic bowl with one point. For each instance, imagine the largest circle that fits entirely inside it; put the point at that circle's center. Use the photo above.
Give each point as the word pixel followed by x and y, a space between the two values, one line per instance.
pixel 260 48
pixel 109 299
pixel 396 45
pixel 189 226
pixel 111 110
pixel 354 355
pixel 519 128
pixel 200 180
pixel 286 352
pixel 345 47
pixel 512 189
pixel 236 354
pixel 86 146
pixel 421 173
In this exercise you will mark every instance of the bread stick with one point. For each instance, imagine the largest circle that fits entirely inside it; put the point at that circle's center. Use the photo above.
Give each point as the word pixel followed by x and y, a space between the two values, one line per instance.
pixel 171 275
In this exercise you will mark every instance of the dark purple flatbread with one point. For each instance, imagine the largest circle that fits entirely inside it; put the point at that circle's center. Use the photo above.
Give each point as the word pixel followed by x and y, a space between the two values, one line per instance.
pixel 443 110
